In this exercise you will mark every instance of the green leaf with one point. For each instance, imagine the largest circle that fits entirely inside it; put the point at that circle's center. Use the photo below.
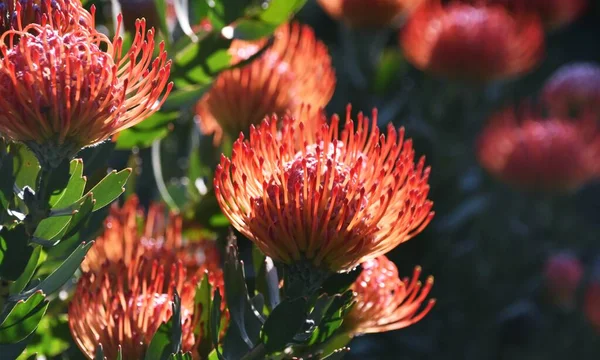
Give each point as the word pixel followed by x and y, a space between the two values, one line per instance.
pixel 74 188
pixel 186 96
pixel 27 274
pixel 52 336
pixel 51 229
pixel 59 276
pixel 14 252
pixel 145 133
pixel 280 11
pixel 181 356
pixel 333 317
pixel 245 324
pixel 340 282
pixel 26 167
pixel 249 29
pixel 203 301
pixel 337 354
pixel 54 181
pixel 215 324
pixel 284 322
pixel 7 181
pixel 109 188
pixel 96 157
pixel 167 339
pixel 23 318
pixel 99 353
pixel 161 10
pixel 12 351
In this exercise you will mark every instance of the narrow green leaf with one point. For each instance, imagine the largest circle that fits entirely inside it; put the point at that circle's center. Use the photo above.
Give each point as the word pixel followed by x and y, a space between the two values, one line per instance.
pixel 284 322
pixel 26 166
pixel 25 277
pixel 23 318
pixel 280 11
pixel 7 181
pixel 74 189
pixel 60 276
pixel 109 188
pixel 14 252
pixel 249 29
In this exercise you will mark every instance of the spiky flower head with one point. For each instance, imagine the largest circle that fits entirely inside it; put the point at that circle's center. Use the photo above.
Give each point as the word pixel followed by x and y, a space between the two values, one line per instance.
pixel 368 13
pixel 295 69
pixel 554 13
pixel 306 194
pixel 125 307
pixel 573 89
pixel 130 275
pixel 384 301
pixel 551 154
pixel 62 92
pixel 62 15
pixel 476 43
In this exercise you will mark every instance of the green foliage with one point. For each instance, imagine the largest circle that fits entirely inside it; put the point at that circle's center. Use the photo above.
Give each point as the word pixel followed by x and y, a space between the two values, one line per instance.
pixel 284 322
pixel 166 342
pixel 110 188
pixel 22 318
pixel 14 252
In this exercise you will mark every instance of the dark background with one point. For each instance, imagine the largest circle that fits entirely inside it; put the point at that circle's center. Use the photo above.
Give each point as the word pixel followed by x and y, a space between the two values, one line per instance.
pixel 488 243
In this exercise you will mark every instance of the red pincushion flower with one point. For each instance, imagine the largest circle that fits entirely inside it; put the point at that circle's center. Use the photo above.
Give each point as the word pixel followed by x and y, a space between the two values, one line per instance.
pixel 472 42
pixel 384 302
pixel 63 15
pixel 296 69
pixel 527 150
pixel 62 92
pixel 573 89
pixel 368 13
pixel 563 273
pixel 305 195
pixel 125 307
pixel 129 277
pixel 554 13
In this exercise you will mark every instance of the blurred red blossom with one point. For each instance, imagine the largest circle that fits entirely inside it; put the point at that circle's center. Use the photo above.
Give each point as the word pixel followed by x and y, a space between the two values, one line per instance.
pixel 368 13
pixel 551 154
pixel 295 69
pixel 563 273
pixel 472 42
pixel 572 89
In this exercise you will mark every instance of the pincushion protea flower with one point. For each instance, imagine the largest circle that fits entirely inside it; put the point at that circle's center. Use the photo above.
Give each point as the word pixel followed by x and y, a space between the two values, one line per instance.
pixel 549 154
pixel 554 13
pixel 161 238
pixel 384 302
pixel 295 69
pixel 472 42
pixel 62 92
pixel 368 13
pixel 563 272
pixel 126 307
pixel 313 199
pixel 572 89
pixel 129 277
pixel 62 15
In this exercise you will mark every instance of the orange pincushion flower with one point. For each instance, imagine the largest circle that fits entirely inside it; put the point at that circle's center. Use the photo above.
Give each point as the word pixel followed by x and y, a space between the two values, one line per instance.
pixel 368 13
pixel 384 302
pixel 563 273
pixel 307 195
pixel 573 88
pixel 141 262
pixel 160 238
pixel 550 154
pixel 554 13
pixel 126 307
pixel 62 15
pixel 472 42
pixel 296 69
pixel 62 92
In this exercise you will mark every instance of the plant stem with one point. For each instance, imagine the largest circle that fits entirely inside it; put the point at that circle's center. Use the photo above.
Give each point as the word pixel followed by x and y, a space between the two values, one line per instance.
pixel 258 352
